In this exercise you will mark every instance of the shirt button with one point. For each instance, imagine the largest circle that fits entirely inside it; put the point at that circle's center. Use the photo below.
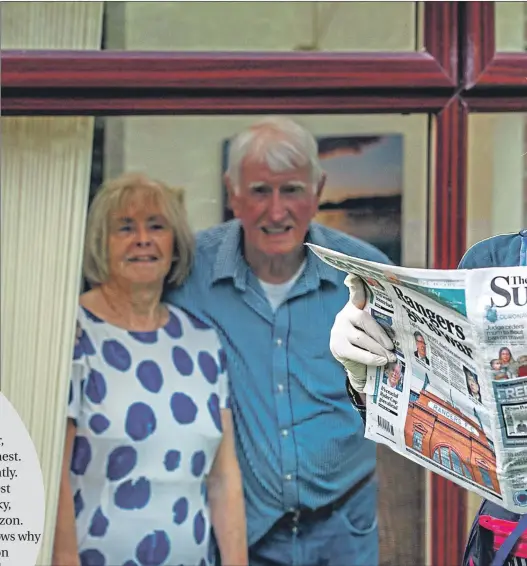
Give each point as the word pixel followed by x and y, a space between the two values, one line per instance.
pixel 295 529
pixel 280 388
pixel 284 432
pixel 288 477
pixel 279 342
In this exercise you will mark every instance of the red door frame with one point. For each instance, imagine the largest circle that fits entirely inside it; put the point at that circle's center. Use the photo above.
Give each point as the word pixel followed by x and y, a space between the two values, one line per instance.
pixel 447 79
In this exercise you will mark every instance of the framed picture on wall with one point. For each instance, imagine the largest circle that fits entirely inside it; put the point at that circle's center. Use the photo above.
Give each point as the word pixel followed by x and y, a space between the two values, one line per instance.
pixel 363 191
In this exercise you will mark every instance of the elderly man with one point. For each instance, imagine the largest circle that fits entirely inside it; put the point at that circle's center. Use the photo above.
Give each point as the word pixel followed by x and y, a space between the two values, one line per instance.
pixel 308 472
pixel 357 340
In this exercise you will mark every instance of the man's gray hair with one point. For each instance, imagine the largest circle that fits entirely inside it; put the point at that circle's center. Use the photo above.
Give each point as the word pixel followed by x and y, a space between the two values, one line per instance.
pixel 280 143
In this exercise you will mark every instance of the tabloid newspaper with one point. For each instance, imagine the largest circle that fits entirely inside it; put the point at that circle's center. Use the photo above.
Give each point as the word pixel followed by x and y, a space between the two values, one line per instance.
pixel 455 401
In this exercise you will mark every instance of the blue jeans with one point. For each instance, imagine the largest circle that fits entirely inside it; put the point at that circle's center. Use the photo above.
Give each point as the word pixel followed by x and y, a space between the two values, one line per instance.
pixel 347 537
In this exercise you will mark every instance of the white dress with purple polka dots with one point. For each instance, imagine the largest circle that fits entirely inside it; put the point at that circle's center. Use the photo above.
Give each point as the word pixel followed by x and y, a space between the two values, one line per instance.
pixel 147 409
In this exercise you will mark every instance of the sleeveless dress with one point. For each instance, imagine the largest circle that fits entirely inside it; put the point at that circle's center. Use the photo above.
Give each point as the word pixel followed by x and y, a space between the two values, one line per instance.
pixel 147 409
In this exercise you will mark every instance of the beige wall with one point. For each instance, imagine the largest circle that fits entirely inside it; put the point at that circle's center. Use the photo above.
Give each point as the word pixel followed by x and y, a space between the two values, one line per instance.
pixel 511 19
pixel 496 175
pixel 266 26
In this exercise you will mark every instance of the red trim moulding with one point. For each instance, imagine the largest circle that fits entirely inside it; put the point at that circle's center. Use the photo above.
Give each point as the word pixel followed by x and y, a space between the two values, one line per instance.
pixel 215 71
pixel 232 104
pixel 484 67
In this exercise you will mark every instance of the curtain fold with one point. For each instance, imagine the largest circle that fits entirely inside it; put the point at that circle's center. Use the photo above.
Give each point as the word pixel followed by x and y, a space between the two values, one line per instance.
pixel 45 177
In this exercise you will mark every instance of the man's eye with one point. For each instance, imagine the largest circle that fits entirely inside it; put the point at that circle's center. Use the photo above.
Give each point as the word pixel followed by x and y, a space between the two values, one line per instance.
pixel 293 189
pixel 260 190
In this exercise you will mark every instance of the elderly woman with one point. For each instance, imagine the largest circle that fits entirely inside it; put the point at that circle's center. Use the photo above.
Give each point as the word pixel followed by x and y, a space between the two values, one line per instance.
pixel 149 428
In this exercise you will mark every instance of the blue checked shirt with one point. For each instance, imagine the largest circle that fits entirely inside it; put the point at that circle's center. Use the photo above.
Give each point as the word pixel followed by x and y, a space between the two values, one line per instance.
pixel 299 440
pixel 507 250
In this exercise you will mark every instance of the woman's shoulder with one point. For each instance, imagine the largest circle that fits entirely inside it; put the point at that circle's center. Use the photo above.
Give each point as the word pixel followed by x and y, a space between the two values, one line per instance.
pixel 197 322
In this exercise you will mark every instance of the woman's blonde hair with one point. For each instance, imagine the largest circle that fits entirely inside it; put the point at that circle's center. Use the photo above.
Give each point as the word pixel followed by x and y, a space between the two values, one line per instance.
pixel 113 196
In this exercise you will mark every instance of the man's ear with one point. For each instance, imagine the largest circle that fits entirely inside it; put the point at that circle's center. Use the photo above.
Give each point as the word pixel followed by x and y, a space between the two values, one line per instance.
pixel 320 186
pixel 231 195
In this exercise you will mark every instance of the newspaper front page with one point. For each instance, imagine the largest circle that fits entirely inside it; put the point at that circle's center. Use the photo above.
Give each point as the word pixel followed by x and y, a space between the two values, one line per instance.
pixel 455 401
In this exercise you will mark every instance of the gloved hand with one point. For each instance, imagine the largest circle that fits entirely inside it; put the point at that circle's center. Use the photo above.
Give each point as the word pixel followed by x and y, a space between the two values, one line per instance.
pixel 357 340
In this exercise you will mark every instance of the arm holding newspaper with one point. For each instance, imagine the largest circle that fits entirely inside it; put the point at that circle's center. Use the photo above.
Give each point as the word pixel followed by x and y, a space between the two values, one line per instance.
pixel 357 340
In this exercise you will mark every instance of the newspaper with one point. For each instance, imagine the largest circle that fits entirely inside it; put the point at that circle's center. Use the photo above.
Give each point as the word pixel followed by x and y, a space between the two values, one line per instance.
pixel 455 401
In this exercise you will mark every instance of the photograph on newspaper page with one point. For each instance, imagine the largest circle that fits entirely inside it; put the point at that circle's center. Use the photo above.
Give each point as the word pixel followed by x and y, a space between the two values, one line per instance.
pixel 447 402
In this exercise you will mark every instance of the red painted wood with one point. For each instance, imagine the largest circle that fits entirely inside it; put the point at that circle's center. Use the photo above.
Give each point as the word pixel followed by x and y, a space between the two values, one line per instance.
pixel 496 103
pixel 441 35
pixel 484 67
pixel 231 104
pixel 215 71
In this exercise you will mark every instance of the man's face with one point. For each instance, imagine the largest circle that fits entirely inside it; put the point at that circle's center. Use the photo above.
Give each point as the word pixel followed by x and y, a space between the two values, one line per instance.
pixel 421 346
pixel 275 209
pixel 394 376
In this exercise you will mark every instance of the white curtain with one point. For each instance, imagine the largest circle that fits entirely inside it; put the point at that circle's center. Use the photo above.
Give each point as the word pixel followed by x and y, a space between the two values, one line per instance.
pixel 46 163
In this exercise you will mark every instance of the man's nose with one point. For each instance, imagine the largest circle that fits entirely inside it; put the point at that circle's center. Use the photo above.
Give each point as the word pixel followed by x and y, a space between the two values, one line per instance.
pixel 277 208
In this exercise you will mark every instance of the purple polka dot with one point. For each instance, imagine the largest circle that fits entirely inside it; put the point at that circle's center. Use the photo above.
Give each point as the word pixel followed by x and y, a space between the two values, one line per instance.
pixel 99 524
pixel 223 360
pixel 95 388
pixel 173 327
pixel 133 495
pixel 91 316
pixel 202 562
pixel 172 460
pixel 81 455
pixel 145 337
pixel 78 503
pixel 198 463
pixel 183 408
pixel 99 423
pixel 130 563
pixel 92 557
pixel 140 421
pixel 214 409
pixel 198 323
pixel 83 345
pixel 121 461
pixel 116 355
pixel 150 376
pixel 180 510
pixel 199 527
pixel 154 549
pixel 182 361
pixel 208 366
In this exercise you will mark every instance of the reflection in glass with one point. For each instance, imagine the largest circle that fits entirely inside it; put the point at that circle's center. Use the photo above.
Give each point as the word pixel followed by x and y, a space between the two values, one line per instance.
pixel 511 26
pixel 262 26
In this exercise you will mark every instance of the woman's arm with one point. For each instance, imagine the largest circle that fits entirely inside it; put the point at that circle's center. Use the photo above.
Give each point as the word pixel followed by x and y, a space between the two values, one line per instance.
pixel 227 506
pixel 65 549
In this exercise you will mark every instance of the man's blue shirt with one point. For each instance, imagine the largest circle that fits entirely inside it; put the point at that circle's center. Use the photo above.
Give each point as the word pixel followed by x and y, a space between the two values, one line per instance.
pixel 498 251
pixel 300 442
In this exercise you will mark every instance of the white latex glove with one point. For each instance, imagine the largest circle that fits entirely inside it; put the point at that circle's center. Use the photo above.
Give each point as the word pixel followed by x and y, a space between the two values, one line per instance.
pixel 357 340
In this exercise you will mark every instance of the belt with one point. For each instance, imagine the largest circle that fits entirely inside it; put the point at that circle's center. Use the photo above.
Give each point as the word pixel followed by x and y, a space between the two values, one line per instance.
pixel 292 518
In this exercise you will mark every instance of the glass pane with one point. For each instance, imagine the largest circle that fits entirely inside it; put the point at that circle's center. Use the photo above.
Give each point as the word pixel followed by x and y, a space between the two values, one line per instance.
pixel 497 175
pixel 376 190
pixel 511 26
pixel 262 26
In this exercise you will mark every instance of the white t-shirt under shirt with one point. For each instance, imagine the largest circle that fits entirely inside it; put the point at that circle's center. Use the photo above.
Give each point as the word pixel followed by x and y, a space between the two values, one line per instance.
pixel 277 292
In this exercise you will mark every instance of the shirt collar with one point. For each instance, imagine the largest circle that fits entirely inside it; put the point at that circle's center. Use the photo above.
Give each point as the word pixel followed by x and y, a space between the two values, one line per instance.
pixel 230 263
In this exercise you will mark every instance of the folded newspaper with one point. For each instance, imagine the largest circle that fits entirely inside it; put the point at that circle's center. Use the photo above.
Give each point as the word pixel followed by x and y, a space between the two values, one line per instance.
pixel 455 401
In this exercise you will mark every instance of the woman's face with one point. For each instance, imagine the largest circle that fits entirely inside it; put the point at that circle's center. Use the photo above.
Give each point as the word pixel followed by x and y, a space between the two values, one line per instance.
pixel 140 243
pixel 505 356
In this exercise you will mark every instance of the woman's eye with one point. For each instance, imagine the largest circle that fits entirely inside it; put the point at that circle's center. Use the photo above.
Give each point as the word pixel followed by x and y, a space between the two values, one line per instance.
pixel 124 229
pixel 158 226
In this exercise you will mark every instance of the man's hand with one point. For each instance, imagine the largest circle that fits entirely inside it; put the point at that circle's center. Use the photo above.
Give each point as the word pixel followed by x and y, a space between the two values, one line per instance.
pixel 357 340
